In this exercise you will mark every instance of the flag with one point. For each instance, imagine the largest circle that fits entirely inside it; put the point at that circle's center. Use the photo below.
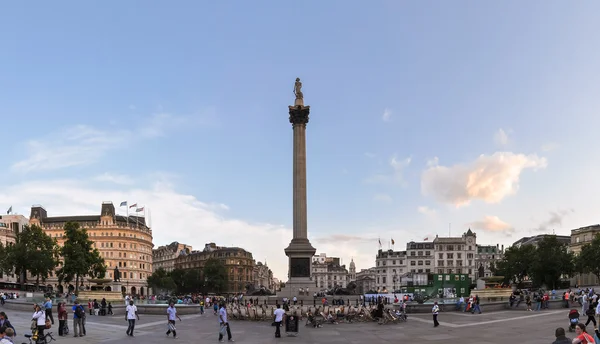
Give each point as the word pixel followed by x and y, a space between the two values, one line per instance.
pixel 138 210
pixel 133 205
pixel 426 239
pixel 393 242
pixel 379 242
pixel 123 204
pixel 9 210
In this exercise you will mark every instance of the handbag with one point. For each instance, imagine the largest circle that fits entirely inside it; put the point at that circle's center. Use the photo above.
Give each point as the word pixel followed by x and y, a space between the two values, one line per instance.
pixel 223 329
pixel 171 326
pixel 33 324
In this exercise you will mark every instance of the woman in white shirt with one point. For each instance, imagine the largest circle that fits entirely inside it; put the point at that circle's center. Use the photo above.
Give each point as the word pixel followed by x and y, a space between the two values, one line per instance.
pixel 40 316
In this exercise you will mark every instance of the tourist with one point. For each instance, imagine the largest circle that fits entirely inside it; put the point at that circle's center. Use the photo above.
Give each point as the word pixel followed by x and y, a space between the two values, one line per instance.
pixel 48 309
pixel 435 310
pixel 9 334
pixel 279 313
pixel 591 314
pixel 61 312
pixel 131 314
pixel 110 312
pixel 561 337
pixel 171 317
pixel 40 318
pixel 5 323
pixel 224 324
pixel 78 315
pixel 582 336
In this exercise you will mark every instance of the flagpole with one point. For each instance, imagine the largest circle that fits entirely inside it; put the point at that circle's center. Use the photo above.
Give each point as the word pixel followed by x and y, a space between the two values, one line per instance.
pixel 127 207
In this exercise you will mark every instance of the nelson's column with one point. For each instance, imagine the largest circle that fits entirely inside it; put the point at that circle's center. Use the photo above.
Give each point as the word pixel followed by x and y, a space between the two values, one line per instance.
pixel 300 251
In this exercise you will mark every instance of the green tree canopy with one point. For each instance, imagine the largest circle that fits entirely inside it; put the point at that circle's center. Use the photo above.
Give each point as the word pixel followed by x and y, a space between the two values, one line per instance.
pixel 551 262
pixel 215 276
pixel 160 280
pixel 588 260
pixel 34 251
pixel 516 263
pixel 80 258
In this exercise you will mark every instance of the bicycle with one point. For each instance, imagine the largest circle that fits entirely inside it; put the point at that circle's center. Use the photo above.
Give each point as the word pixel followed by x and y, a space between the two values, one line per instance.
pixel 47 338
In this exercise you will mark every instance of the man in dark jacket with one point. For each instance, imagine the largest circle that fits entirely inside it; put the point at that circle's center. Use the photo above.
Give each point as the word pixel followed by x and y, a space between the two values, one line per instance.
pixel 560 337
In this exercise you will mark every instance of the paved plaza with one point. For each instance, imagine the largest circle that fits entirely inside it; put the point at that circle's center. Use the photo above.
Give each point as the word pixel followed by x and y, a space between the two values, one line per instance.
pixel 493 327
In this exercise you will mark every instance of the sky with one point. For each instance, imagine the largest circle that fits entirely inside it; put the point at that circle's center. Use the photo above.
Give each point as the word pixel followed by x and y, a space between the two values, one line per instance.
pixel 427 118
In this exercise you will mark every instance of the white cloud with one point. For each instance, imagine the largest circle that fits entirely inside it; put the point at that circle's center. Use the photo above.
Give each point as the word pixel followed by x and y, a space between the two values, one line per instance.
pixel 83 145
pixel 550 146
pixel 489 178
pixel 175 216
pixel 426 211
pixel 554 220
pixel 380 197
pixel 396 175
pixel 114 178
pixel 492 224
pixel 387 115
pixel 501 137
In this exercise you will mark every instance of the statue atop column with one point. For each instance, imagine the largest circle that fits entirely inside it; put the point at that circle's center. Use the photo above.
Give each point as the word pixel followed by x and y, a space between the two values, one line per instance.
pixel 116 275
pixel 298 92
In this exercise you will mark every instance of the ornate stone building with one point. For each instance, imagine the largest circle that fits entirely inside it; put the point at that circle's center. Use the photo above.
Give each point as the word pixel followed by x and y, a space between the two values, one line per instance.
pixel 165 256
pixel 237 261
pixel 486 257
pixel 10 225
pixel 456 255
pixel 327 272
pixel 420 257
pixel 580 237
pixel 390 265
pixel 262 277
pixel 123 242
pixel 365 280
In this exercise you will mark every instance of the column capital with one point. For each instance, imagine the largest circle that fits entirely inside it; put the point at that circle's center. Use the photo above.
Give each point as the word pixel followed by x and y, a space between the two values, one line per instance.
pixel 299 114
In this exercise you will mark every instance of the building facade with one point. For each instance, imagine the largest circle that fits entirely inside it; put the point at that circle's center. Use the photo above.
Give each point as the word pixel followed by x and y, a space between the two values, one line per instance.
pixel 365 280
pixel 238 263
pixel 262 277
pixel 390 265
pixel 579 238
pixel 328 273
pixel 420 257
pixel 486 258
pixel 164 256
pixel 456 255
pixel 534 240
pixel 10 225
pixel 123 242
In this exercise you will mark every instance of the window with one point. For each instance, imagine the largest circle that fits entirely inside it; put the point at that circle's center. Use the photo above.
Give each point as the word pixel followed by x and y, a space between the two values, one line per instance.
pixel 384 279
pixel 447 277
pixel 440 263
pixel 459 255
pixel 420 262
pixel 412 253
pixel 393 262
pixel 412 263
pixel 427 270
pixel 440 256
pixel 440 277
pixel 427 253
pixel 427 262
pixel 420 253
pixel 450 255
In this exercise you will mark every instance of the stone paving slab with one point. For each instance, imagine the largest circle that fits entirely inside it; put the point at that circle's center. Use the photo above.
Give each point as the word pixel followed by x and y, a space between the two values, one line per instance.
pixel 493 327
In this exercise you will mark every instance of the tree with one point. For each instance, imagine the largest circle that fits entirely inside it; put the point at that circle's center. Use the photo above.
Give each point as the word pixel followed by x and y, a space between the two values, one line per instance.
pixel 215 276
pixel 80 258
pixel 160 280
pixel 588 258
pixel 551 262
pixel 34 251
pixel 515 266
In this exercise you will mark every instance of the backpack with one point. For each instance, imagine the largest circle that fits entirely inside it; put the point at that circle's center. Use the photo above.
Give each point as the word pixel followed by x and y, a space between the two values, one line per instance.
pixel 79 312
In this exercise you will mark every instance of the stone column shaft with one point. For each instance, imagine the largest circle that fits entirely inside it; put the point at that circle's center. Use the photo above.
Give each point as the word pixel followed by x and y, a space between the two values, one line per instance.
pixel 300 211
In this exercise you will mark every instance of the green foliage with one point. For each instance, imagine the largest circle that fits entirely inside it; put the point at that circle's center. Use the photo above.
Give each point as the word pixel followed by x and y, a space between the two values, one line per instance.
pixel 588 258
pixel 160 280
pixel 80 257
pixel 551 262
pixel 34 251
pixel 215 276
pixel 544 264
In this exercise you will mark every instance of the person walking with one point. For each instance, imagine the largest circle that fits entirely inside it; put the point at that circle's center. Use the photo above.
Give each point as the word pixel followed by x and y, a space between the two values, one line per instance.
pixel 223 324
pixel 279 313
pixel 591 314
pixel 131 313
pixel 435 311
pixel 48 310
pixel 171 317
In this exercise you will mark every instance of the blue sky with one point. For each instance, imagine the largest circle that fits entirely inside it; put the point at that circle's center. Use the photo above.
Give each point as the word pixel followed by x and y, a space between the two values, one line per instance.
pixel 482 115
